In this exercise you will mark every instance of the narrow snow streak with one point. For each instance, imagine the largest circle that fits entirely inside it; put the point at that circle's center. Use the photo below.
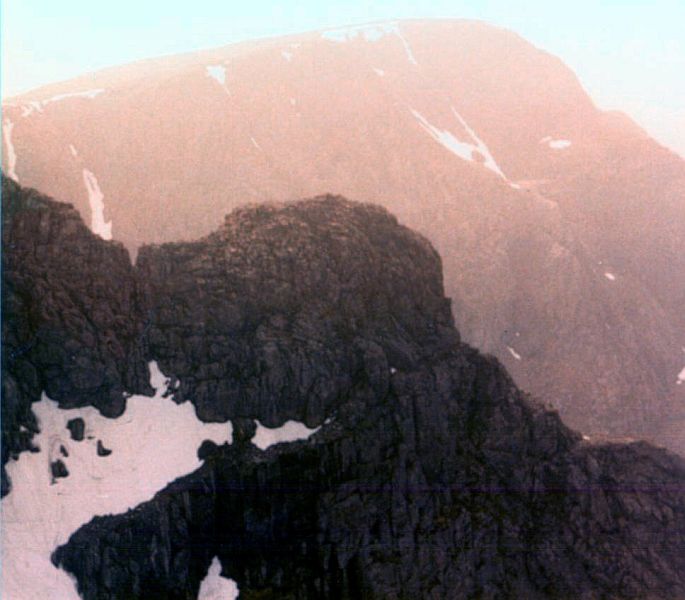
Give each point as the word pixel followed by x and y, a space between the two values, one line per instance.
pixel 97 207
pixel 216 587
pixel 610 276
pixel 73 151
pixel 90 94
pixel 513 352
pixel 254 143
pixel 370 33
pixel 7 127
pixel 463 150
pixel 290 431
pixel 153 443
pixel 218 73
pixel 480 147
pixel 39 105
pixel 407 47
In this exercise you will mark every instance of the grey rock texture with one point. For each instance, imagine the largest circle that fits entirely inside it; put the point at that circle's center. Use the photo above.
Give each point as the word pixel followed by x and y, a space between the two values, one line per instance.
pixel 432 475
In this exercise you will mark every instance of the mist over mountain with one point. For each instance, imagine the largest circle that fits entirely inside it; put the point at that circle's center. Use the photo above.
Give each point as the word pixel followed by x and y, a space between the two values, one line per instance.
pixel 561 227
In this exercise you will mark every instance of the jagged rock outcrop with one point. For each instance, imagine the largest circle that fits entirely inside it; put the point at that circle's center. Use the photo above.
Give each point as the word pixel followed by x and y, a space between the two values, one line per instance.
pixel 432 475
pixel 72 325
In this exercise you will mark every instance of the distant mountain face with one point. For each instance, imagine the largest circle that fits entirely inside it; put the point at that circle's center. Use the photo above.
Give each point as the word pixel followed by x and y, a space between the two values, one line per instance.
pixel 561 227
pixel 413 466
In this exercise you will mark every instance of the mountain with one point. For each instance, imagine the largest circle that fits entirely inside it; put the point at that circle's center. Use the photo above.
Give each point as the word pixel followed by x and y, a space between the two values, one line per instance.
pixel 419 469
pixel 561 227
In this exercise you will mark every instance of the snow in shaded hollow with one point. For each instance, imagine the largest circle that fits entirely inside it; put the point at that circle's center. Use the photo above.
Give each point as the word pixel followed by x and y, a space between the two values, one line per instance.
pixel 464 150
pixel 290 431
pixel 370 33
pixel 7 127
pixel 38 105
pixel 96 199
pixel 610 276
pixel 38 516
pixel 216 587
pixel 218 73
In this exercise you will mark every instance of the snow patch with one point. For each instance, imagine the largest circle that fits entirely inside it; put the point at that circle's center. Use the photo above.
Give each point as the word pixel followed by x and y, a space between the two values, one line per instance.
pixel 254 143
pixel 73 151
pixel 555 144
pixel 290 431
pixel 7 127
pixel 218 73
pixel 216 587
pixel 464 150
pixel 610 276
pixel 513 352
pixel 287 55
pixel 370 33
pixel 293 101
pixel 97 206
pixel 681 377
pixel 379 72
pixel 33 105
pixel 38 516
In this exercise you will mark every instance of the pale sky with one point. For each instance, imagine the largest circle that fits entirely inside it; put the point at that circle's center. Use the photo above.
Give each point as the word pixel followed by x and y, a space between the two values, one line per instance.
pixel 629 54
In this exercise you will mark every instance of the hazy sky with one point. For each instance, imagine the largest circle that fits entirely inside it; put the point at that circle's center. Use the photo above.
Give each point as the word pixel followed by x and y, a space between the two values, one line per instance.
pixel 629 54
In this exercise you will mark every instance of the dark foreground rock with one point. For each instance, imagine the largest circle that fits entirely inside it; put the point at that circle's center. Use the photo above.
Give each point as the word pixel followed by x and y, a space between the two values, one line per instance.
pixel 101 450
pixel 77 429
pixel 432 475
pixel 71 324
pixel 58 469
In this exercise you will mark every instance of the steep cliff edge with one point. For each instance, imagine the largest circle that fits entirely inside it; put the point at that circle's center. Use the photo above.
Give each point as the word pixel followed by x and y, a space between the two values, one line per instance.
pixel 71 324
pixel 431 476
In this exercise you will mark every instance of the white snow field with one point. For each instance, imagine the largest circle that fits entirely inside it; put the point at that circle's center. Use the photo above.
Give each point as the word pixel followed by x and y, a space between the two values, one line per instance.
pixel 153 443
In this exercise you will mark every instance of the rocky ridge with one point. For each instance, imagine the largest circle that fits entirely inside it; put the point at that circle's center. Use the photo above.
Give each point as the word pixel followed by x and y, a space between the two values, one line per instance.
pixel 432 475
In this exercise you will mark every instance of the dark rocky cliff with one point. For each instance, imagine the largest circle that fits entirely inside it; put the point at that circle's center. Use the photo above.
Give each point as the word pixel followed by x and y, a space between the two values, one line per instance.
pixel 432 475
pixel 72 324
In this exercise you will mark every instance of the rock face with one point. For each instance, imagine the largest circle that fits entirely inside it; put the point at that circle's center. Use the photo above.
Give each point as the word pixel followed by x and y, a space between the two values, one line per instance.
pixel 72 325
pixel 561 227
pixel 432 475
pixel 77 428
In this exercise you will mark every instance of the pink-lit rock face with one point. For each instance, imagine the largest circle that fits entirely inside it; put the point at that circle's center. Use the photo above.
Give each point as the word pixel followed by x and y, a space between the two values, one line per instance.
pixel 482 142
